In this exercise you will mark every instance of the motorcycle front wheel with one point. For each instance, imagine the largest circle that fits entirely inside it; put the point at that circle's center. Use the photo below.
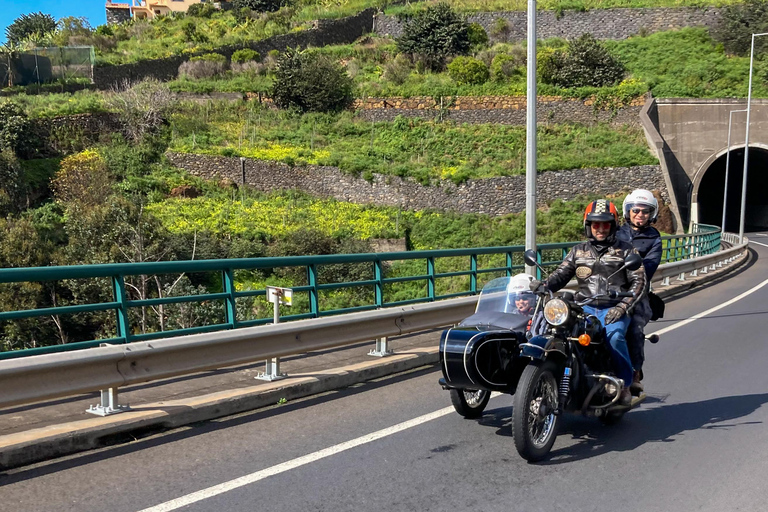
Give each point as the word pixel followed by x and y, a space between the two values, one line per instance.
pixel 534 423
pixel 470 403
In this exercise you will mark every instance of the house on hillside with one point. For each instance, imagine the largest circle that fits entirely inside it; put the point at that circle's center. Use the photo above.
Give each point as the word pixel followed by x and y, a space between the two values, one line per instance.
pixel 118 11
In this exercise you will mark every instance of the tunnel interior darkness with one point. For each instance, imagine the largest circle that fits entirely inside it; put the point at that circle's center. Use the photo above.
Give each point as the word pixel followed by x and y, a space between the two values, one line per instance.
pixel 712 187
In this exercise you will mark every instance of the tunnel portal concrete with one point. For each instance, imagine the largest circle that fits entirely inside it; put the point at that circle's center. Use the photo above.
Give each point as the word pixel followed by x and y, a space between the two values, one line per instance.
pixel 690 137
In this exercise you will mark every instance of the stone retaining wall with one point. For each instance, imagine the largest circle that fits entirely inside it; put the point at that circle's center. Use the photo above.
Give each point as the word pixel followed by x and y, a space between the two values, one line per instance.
pixel 328 32
pixel 510 110
pixel 493 196
pixel 601 23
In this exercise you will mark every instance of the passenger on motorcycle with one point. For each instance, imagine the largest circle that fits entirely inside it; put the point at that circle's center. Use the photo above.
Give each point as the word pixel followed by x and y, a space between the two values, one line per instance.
pixel 596 265
pixel 640 211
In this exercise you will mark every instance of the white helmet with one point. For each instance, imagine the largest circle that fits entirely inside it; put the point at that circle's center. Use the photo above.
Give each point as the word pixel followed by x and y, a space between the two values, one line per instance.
pixel 519 287
pixel 641 197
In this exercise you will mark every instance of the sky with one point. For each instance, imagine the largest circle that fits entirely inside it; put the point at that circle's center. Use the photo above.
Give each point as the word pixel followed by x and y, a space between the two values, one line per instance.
pixel 93 10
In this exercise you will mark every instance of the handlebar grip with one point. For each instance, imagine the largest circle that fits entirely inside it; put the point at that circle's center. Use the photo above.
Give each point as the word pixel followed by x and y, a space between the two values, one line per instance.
pixel 614 294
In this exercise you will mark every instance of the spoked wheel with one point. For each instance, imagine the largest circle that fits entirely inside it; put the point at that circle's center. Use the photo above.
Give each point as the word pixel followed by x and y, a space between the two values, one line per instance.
pixel 534 424
pixel 470 403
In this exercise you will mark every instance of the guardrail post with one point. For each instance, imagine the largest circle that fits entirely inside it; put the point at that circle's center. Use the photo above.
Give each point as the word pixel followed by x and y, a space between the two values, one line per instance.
pixel 109 400
pixel 272 369
pixel 381 349
pixel 108 404
pixel 473 275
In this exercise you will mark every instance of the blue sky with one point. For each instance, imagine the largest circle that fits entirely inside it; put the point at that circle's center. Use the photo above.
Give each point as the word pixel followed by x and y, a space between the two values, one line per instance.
pixel 93 10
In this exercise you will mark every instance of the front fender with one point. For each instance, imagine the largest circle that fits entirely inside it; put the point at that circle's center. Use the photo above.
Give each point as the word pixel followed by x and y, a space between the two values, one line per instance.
pixel 535 348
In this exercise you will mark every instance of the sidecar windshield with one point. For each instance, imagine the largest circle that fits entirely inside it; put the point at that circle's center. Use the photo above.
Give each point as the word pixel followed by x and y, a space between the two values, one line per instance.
pixel 504 302
pixel 506 295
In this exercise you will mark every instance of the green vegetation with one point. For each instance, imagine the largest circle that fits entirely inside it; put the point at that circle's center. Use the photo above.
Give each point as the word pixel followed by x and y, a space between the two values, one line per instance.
pixel 424 150
pixel 310 83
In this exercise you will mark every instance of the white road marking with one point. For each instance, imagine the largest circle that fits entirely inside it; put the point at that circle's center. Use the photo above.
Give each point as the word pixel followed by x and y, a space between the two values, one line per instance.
pixel 215 490
pixel 292 464
pixel 711 310
pixel 758 243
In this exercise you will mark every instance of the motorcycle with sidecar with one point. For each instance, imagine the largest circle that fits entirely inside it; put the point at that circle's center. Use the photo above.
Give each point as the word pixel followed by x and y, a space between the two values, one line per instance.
pixel 556 360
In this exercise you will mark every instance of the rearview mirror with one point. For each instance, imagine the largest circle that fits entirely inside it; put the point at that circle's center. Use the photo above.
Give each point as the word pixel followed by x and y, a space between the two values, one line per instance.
pixel 530 258
pixel 633 261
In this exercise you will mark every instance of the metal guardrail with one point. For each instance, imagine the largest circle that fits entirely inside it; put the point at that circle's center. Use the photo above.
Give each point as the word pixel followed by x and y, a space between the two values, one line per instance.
pixel 386 271
pixel 51 376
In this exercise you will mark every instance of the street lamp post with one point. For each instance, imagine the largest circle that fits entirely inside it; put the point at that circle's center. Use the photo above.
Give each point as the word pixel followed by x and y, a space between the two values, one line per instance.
pixel 728 164
pixel 530 145
pixel 746 139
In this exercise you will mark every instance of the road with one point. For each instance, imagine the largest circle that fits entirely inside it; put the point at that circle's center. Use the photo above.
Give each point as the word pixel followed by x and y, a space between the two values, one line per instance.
pixel 698 443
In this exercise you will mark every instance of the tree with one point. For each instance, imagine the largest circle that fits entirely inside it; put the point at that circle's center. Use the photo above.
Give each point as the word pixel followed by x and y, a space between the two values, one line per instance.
pixel 737 24
pixel 82 177
pixel 28 25
pixel 435 34
pixel 310 82
pixel 584 63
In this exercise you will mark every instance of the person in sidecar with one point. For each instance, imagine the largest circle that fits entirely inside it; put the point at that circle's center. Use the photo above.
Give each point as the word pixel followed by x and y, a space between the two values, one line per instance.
pixel 596 264
pixel 640 211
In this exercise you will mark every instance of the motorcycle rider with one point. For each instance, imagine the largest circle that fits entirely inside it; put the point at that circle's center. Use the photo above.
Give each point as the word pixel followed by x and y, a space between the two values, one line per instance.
pixel 525 303
pixel 596 264
pixel 640 211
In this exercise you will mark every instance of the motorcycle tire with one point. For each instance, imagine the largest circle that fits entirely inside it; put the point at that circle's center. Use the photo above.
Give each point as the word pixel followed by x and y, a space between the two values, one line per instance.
pixel 470 403
pixel 534 423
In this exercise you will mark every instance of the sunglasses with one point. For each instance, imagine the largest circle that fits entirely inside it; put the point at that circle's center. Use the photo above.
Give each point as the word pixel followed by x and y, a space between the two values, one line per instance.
pixel 640 210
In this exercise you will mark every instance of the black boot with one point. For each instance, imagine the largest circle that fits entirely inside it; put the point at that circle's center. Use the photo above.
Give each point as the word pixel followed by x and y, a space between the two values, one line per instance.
pixel 636 387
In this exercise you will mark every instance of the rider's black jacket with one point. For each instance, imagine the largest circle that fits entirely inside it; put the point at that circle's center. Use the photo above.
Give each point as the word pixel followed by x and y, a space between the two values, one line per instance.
pixel 647 241
pixel 592 264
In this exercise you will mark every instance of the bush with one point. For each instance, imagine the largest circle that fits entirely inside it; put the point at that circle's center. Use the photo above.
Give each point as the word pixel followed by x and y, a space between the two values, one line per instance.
pixel 584 63
pixel 501 29
pixel 28 25
pixel 477 35
pixel 246 55
pixel 10 183
pixel 201 10
pixel 468 70
pixel 397 70
pixel 737 24
pixel 16 134
pixel 142 107
pixel 197 69
pixel 210 57
pixel 310 82
pixel 257 5
pixel 504 66
pixel 83 178
pixel 434 35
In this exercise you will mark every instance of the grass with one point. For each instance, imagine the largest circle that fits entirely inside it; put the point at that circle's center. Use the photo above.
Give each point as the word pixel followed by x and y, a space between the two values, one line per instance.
pixel 423 150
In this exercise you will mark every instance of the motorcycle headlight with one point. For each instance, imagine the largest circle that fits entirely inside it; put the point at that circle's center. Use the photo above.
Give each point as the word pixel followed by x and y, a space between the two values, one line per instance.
pixel 556 311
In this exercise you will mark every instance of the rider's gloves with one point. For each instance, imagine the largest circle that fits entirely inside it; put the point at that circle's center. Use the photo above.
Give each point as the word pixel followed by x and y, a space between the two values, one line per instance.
pixel 538 286
pixel 614 314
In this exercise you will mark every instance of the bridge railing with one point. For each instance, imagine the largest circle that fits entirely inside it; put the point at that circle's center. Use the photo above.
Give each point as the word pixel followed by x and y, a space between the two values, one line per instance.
pixel 438 274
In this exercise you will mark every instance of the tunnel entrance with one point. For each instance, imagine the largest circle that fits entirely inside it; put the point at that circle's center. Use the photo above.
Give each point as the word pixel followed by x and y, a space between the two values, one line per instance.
pixel 712 187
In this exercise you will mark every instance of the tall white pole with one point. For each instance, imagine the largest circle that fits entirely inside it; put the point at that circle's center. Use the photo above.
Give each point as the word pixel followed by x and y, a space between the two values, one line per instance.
pixel 746 139
pixel 530 146
pixel 727 165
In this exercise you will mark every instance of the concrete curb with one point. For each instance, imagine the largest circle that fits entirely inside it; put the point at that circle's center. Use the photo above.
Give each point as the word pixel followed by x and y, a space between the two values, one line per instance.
pixel 41 444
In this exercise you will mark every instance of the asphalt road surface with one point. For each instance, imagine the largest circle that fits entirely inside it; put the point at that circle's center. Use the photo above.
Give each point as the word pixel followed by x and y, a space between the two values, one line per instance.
pixel 699 442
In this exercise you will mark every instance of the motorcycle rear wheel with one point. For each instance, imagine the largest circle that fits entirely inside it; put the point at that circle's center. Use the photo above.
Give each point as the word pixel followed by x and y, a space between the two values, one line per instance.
pixel 534 423
pixel 470 403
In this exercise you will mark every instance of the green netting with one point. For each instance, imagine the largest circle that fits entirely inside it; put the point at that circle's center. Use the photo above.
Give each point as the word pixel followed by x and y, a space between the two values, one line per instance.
pixel 41 65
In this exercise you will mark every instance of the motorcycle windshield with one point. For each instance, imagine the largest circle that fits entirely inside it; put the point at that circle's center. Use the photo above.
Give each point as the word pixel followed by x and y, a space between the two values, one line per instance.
pixel 500 305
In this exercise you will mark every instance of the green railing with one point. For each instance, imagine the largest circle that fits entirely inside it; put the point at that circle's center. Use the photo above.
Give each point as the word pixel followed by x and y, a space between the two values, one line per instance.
pixel 445 273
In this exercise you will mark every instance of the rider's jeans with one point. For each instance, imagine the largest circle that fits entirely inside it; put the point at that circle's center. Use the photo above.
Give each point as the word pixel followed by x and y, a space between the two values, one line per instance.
pixel 617 341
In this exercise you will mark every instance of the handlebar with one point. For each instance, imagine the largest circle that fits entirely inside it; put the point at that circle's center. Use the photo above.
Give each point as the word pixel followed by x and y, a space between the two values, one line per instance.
pixel 613 294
